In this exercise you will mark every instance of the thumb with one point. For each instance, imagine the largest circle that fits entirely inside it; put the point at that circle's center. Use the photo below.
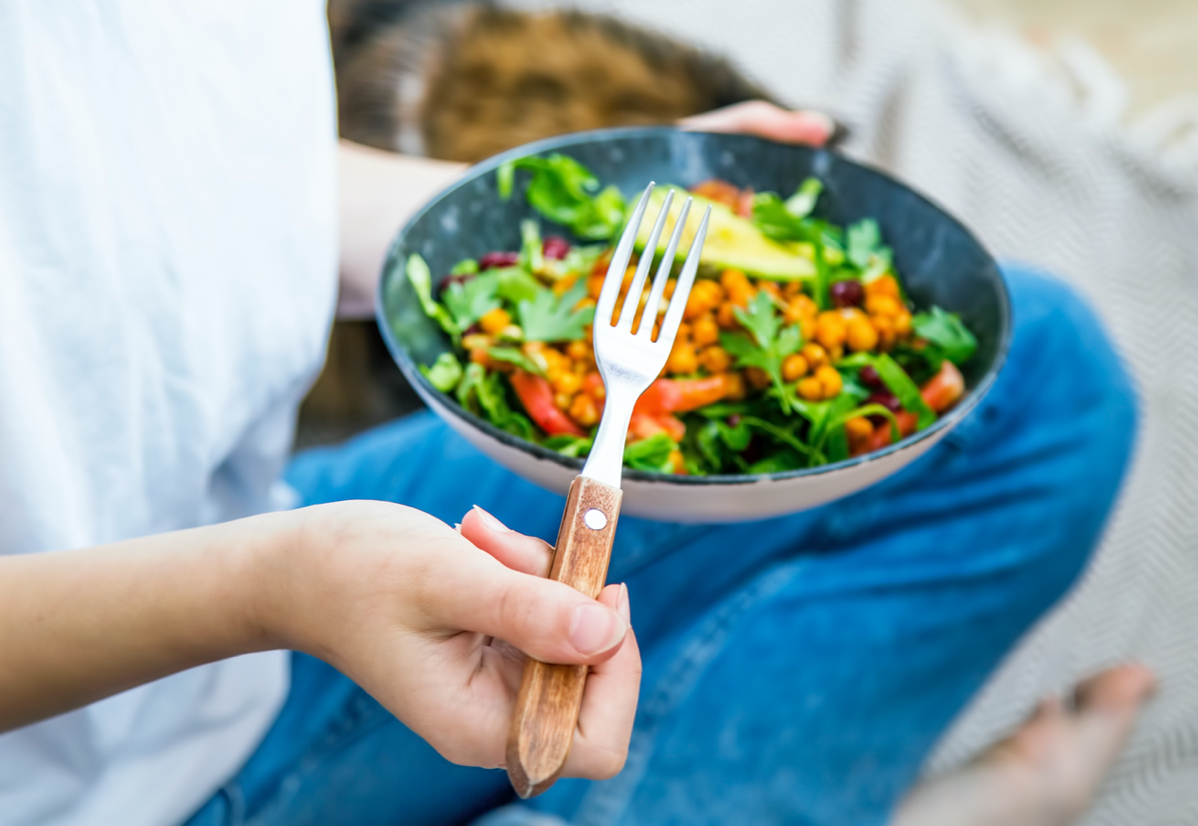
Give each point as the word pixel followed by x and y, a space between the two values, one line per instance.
pixel 547 620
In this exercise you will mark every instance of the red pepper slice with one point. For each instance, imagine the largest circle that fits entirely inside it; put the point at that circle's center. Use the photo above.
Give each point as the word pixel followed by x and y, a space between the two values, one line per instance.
pixel 945 388
pixel 682 395
pixel 536 394
pixel 644 425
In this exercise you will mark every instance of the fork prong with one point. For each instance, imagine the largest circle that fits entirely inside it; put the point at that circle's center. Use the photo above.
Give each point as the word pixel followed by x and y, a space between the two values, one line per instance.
pixel 663 273
pixel 619 263
pixel 632 298
pixel 669 325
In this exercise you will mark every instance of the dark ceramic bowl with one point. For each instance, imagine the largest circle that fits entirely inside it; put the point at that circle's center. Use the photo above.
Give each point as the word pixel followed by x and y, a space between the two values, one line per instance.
pixel 939 261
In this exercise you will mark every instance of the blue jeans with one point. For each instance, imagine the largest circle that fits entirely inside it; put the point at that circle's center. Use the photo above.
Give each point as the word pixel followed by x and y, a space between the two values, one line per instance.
pixel 797 670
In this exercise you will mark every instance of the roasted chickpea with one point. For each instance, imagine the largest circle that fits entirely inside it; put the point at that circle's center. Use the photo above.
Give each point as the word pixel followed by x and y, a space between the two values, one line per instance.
pixel 495 320
pixel 830 330
pixel 800 308
pixel 883 285
pixel 883 305
pixel 862 337
pixel 715 359
pixel 566 382
pixel 811 389
pixel 584 410
pixel 816 355
pixel 726 317
pixel 737 287
pixel 830 380
pixel 705 330
pixel 705 296
pixel 683 359
pixel 794 367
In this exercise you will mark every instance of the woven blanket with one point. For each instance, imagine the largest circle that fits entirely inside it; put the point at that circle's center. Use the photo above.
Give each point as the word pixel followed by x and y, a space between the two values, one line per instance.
pixel 1030 152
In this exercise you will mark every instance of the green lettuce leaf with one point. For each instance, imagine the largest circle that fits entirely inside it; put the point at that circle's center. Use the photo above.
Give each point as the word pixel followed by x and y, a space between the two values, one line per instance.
pixel 548 318
pixel 947 332
pixel 421 280
pixel 445 373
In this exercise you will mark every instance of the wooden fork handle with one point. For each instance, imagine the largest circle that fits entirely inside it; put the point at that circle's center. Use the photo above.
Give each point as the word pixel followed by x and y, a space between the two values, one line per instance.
pixel 551 695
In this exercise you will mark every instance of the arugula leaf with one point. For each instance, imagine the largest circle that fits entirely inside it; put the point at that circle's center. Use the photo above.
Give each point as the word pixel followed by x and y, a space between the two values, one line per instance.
pixel 779 462
pixel 532 256
pixel 483 394
pixel 651 454
pixel 768 346
pixel 947 333
pixel 517 357
pixel 548 318
pixel 898 382
pixel 802 203
pixel 565 192
pixel 421 280
pixel 569 445
pixel 445 373
pixel 469 301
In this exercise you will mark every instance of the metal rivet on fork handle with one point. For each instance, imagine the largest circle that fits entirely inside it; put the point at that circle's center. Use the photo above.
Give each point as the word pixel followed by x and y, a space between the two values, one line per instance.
pixel 595 519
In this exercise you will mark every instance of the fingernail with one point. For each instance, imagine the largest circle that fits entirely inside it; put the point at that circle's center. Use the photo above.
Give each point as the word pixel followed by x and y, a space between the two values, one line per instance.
pixel 594 629
pixel 491 522
pixel 623 606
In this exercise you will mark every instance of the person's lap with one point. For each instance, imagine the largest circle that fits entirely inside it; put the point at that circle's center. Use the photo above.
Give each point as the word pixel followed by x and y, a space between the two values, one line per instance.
pixel 796 670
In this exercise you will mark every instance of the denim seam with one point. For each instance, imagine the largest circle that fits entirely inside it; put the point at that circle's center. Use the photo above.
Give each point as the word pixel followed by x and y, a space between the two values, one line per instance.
pixel 604 803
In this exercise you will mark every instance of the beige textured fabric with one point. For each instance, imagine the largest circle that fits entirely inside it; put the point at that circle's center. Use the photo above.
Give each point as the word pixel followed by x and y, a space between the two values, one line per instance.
pixel 1033 159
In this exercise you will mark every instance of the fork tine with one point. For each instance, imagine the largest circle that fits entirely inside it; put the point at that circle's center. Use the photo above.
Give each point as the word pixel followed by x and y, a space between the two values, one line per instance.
pixel 669 325
pixel 663 273
pixel 619 263
pixel 632 299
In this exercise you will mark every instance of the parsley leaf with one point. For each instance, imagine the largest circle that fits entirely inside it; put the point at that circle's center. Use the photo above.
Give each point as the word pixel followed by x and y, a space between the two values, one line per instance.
pixel 768 345
pixel 947 333
pixel 548 318
pixel 469 301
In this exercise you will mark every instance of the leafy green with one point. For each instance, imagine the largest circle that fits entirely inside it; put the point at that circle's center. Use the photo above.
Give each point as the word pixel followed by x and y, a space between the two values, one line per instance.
pixel 483 394
pixel 548 318
pixel 578 261
pixel 469 301
pixel 823 277
pixel 445 373
pixel 767 346
pixel 802 203
pixel 947 333
pixel 898 382
pixel 515 284
pixel 865 249
pixel 531 247
pixel 517 357
pixel 651 454
pixel 569 445
pixel 467 266
pixel 421 280
pixel 789 220
pixel 565 192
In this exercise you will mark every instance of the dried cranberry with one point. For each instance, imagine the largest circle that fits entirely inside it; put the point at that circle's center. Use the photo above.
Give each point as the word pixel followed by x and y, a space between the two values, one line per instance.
pixel 870 378
pixel 496 260
pixel 555 248
pixel 847 293
pixel 887 400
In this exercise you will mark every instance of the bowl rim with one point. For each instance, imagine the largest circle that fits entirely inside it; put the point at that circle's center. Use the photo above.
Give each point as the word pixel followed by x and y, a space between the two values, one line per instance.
pixel 471 173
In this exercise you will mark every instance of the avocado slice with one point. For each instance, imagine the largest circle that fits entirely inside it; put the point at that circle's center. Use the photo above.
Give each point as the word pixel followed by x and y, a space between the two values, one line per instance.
pixel 732 242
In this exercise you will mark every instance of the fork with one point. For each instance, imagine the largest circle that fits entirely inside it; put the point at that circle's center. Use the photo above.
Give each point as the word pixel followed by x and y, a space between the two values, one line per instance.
pixel 550 696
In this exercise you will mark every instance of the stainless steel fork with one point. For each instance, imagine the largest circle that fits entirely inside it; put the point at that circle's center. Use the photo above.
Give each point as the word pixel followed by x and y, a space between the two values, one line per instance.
pixel 551 695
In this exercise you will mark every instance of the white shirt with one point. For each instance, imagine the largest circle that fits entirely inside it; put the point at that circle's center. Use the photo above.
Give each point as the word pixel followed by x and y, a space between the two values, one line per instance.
pixel 167 277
